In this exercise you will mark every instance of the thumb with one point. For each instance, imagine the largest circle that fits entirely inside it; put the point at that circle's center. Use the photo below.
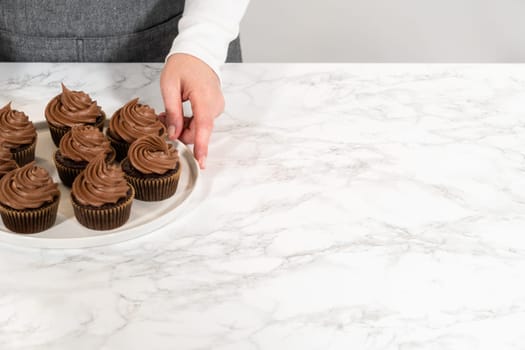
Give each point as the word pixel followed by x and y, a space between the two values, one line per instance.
pixel 171 96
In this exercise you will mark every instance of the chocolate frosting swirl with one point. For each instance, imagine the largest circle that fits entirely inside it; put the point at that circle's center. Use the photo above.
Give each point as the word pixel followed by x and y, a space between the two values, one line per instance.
pixel 153 155
pixel 134 120
pixel 15 128
pixel 72 107
pixel 83 143
pixel 7 162
pixel 28 187
pixel 100 183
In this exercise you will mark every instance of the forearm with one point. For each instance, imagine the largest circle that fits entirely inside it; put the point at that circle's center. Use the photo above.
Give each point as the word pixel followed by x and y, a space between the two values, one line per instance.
pixel 206 29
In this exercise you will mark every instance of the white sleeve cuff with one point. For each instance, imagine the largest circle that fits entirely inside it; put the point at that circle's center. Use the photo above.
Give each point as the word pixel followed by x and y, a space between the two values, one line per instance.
pixel 206 29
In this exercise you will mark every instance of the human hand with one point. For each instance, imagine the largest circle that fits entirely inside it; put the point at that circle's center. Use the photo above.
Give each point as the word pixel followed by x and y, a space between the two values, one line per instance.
pixel 185 77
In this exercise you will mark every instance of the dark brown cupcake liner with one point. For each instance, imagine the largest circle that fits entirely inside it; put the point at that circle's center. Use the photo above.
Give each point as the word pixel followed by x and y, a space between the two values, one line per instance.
pixel 30 220
pixel 25 154
pixel 57 132
pixel 121 147
pixel 154 189
pixel 68 174
pixel 102 219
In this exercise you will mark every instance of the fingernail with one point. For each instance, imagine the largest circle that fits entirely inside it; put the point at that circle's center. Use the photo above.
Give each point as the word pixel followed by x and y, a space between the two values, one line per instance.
pixel 171 131
pixel 202 163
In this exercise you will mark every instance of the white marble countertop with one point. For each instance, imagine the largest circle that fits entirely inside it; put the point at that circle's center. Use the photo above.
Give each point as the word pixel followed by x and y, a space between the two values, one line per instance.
pixel 344 207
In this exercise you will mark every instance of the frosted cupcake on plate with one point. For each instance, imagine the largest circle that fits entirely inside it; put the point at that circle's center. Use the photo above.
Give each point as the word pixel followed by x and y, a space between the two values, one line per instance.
pixel 77 148
pixel 18 134
pixel 130 122
pixel 100 195
pixel 72 108
pixel 28 199
pixel 153 168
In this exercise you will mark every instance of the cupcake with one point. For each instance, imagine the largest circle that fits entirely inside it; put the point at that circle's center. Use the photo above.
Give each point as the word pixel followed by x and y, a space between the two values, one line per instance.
pixel 71 108
pixel 130 122
pixel 18 134
pixel 77 148
pixel 100 195
pixel 152 167
pixel 28 199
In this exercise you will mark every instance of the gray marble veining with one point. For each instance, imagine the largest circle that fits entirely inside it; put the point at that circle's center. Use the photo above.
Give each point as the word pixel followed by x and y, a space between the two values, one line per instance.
pixel 345 206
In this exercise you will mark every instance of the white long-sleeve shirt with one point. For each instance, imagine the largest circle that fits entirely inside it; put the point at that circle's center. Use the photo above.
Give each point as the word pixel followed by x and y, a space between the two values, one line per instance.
pixel 206 29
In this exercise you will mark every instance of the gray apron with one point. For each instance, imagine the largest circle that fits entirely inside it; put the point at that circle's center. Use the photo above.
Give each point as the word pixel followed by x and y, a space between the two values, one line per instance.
pixel 91 30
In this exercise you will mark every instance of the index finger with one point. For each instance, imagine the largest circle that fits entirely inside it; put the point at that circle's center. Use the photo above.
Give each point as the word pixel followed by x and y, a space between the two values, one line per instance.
pixel 171 96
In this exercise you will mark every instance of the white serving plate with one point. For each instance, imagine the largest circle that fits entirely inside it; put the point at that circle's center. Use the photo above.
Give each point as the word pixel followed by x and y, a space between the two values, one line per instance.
pixel 68 233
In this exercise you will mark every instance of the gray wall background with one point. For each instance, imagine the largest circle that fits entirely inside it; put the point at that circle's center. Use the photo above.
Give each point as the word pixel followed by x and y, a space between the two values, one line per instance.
pixel 384 31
